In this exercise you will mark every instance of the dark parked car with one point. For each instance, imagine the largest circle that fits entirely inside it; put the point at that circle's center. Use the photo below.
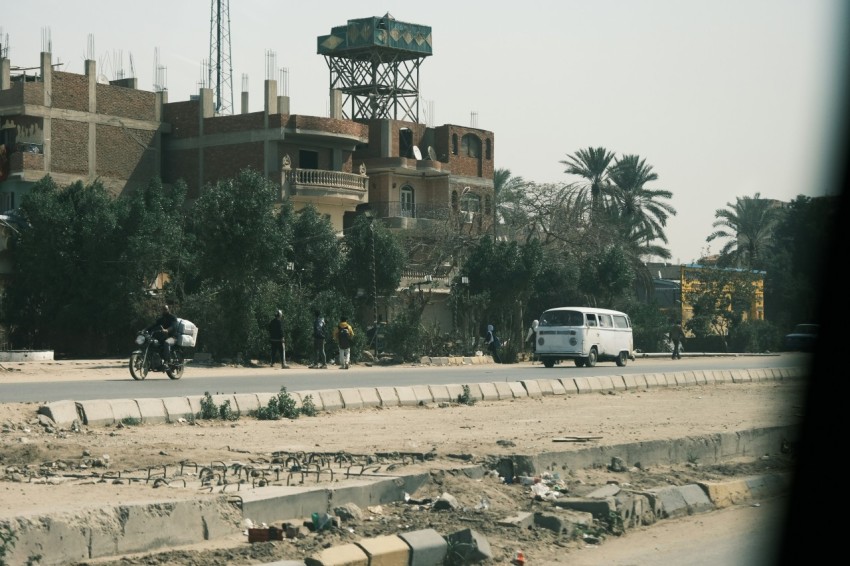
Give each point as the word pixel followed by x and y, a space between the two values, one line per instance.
pixel 802 338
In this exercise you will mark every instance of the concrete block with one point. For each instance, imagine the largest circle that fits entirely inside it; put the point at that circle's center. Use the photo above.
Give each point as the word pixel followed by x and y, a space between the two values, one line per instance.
pixel 440 361
pixel 605 383
pixel 678 501
pixel 563 522
pixel 471 546
pixel 425 360
pixel 178 408
pixel 439 393
pixel 455 390
pixel 63 413
pixel 768 484
pixel 423 394
pixel 220 399
pixel 406 396
pixel 531 388
pixel 584 384
pixel 570 385
pixel 427 547
pixel 700 377
pixel 317 399
pixel 351 398
pixel 521 520
pixel 489 392
pixel 503 390
pixel 370 398
pixel 634 381
pixel 387 550
pixel 724 494
pixel 152 410
pixel 545 386
pixel 741 376
pixel 600 508
pixel 557 387
pixel 246 403
pixel 388 396
pixel 607 490
pixel 670 379
pixel 97 412
pixel 468 361
pixel 518 389
pixel 342 555
pixel 618 383
pixel 331 399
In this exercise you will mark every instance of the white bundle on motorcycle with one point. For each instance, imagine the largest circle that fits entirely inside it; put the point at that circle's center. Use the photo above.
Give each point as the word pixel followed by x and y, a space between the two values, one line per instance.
pixel 187 333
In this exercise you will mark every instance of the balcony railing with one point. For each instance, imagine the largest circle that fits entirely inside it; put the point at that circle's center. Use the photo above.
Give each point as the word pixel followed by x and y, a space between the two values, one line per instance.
pixel 394 209
pixel 322 179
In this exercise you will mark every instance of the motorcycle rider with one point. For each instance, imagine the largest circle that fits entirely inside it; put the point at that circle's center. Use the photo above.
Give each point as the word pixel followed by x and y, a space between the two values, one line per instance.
pixel 165 329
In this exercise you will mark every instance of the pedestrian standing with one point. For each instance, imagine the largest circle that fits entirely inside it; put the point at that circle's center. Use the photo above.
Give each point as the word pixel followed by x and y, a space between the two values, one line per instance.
pixel 493 343
pixel 343 334
pixel 320 360
pixel 277 340
pixel 532 337
pixel 677 334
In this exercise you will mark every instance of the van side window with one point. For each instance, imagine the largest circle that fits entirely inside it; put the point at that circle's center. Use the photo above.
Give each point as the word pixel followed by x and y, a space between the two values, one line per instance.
pixel 591 319
pixel 605 321
pixel 620 321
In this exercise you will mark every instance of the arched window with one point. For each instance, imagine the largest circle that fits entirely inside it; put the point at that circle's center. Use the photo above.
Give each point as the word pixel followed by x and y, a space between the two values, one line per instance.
pixel 408 205
pixel 470 145
pixel 488 149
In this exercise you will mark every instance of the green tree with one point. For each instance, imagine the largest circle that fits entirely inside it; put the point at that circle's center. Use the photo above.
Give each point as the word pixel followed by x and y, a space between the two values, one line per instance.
pixel 239 264
pixel 594 192
pixel 70 289
pixel 798 251
pixel 747 227
pixel 644 210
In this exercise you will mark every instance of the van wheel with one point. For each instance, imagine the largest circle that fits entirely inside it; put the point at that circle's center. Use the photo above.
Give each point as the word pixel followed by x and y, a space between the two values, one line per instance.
pixel 622 358
pixel 591 358
pixel 579 362
pixel 549 362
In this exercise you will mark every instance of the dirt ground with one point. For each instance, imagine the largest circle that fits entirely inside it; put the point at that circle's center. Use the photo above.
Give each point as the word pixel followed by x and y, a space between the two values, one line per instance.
pixel 451 435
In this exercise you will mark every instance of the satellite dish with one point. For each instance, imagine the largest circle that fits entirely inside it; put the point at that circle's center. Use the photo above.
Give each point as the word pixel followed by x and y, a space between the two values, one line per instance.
pixel 416 153
pixel 432 155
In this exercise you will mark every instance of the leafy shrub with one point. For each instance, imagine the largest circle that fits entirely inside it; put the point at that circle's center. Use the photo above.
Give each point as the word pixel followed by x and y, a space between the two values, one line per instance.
pixel 280 406
pixel 308 408
pixel 208 408
pixel 465 398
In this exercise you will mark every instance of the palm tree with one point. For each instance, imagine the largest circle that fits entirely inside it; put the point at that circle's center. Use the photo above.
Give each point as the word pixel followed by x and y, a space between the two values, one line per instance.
pixel 642 208
pixel 592 165
pixel 748 225
pixel 507 194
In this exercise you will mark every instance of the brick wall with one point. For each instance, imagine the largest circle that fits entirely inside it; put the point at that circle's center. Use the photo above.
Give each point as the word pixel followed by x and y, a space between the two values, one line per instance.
pixel 330 125
pixel 231 124
pixel 69 147
pixel 70 91
pixel 122 152
pixel 224 162
pixel 183 117
pixel 125 102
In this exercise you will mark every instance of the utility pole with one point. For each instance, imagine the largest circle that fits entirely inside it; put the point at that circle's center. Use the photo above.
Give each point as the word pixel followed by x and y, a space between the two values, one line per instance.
pixel 221 70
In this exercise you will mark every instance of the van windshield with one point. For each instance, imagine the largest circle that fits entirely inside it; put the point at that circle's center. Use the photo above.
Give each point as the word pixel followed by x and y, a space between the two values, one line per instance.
pixel 562 318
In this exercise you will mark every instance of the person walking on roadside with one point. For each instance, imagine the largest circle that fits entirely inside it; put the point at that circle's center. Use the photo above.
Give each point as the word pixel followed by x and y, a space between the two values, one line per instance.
pixel 343 334
pixel 277 341
pixel 493 344
pixel 532 336
pixel 320 360
pixel 677 334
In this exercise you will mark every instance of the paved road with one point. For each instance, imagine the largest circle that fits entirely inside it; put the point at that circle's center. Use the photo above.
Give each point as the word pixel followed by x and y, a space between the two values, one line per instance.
pixel 111 379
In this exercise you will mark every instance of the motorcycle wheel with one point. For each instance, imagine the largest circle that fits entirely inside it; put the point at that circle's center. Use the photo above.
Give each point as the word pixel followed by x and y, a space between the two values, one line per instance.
pixel 175 368
pixel 137 367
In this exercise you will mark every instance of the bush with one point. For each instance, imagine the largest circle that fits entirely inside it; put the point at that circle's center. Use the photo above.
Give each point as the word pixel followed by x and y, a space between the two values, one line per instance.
pixel 280 406
pixel 755 336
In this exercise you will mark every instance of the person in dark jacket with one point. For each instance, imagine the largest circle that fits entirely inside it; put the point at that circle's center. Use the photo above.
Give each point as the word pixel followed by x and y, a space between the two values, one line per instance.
pixel 343 334
pixel 677 334
pixel 320 360
pixel 493 343
pixel 276 339
pixel 165 330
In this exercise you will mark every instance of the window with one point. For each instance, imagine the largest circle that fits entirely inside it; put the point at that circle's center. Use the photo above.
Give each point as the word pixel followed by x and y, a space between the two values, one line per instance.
pixel 405 143
pixel 308 159
pixel 471 203
pixel 605 321
pixel 620 321
pixel 408 207
pixel 591 320
pixel 454 144
pixel 488 150
pixel 470 146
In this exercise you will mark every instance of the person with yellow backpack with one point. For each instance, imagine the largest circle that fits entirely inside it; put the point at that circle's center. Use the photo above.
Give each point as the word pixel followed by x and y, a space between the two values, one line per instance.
pixel 344 334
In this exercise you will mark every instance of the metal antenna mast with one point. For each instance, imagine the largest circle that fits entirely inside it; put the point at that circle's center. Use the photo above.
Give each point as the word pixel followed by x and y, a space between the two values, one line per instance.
pixel 221 71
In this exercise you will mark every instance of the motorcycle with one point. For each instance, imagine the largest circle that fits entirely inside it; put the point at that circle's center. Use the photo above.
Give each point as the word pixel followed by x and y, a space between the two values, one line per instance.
pixel 148 358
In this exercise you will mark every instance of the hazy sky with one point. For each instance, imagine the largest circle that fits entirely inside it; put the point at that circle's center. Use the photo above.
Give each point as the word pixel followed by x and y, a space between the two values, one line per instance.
pixel 724 98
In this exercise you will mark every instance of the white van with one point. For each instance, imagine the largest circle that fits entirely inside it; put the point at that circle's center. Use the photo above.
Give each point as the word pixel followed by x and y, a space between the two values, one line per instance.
pixel 584 335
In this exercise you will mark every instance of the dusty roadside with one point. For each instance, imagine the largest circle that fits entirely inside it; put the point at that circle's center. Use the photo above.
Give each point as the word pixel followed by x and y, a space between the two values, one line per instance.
pixel 452 435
